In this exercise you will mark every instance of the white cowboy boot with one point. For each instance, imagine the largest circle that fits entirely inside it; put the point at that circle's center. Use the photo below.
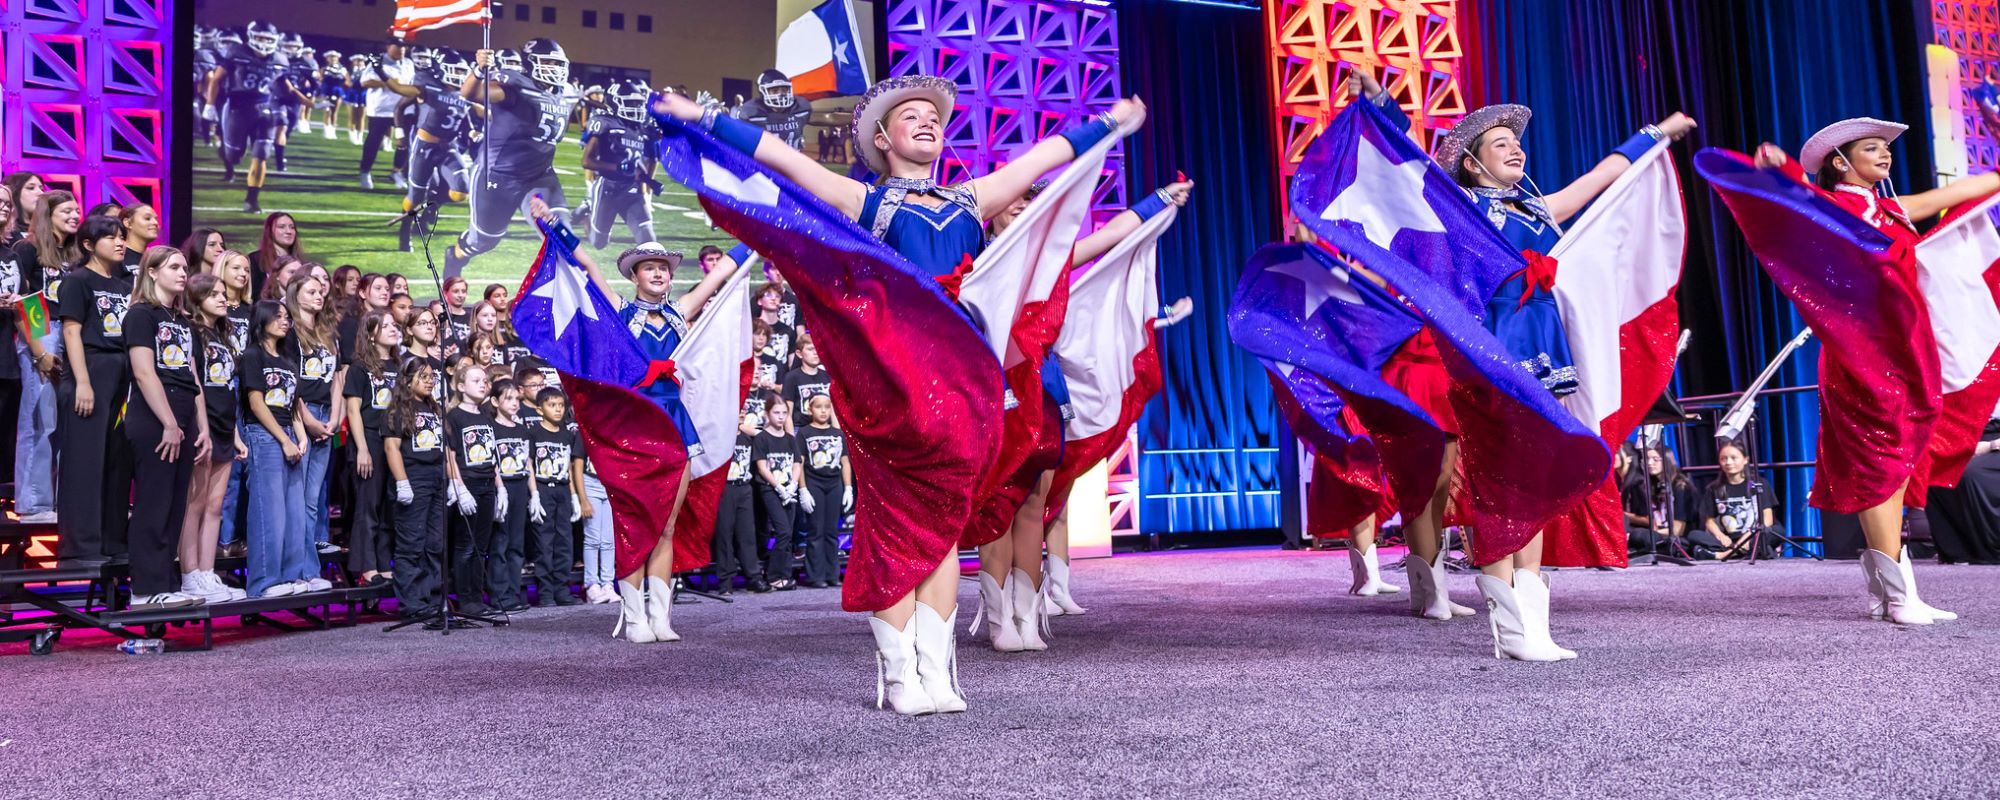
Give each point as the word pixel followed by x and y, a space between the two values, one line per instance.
pixel 1367 574
pixel 937 658
pixel 1510 626
pixel 1055 577
pixel 1428 597
pixel 1025 601
pixel 1910 582
pixel 1533 594
pixel 995 609
pixel 896 669
pixel 632 626
pixel 660 609
pixel 1897 596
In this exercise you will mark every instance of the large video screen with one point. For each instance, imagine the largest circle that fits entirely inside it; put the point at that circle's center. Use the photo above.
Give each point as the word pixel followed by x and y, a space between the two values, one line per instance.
pixel 396 157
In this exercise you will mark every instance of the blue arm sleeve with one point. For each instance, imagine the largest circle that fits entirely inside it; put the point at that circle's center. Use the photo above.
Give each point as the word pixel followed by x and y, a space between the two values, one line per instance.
pixel 740 253
pixel 738 134
pixel 1637 146
pixel 1149 205
pixel 1087 134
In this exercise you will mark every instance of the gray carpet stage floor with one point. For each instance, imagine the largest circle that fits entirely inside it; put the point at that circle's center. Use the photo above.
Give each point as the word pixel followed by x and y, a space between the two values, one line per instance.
pixel 1240 673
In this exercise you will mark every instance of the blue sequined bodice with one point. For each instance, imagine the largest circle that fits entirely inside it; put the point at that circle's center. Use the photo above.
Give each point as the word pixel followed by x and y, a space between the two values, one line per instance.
pixel 937 240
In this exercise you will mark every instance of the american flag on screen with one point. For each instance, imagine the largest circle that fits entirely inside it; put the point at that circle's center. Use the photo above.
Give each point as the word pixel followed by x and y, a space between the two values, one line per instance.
pixel 425 15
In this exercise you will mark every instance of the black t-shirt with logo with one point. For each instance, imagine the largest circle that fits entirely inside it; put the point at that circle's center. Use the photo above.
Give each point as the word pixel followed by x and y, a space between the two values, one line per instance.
pixel 218 386
pixel 823 448
pixel 239 327
pixel 422 442
pixel 740 469
pixel 778 348
pixel 171 337
pixel 554 450
pixel 754 405
pixel 98 303
pixel 13 280
pixel 277 377
pixel 472 439
pixel 801 386
pixel 457 329
pixel 779 453
pixel 515 456
pixel 1731 504
pixel 317 368
pixel 376 391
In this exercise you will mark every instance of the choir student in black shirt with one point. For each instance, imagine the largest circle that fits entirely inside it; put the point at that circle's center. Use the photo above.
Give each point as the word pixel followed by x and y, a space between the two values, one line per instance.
pixel 413 444
pixel 208 486
pixel 316 343
pixel 806 382
pixel 775 454
pixel 475 487
pixel 95 465
pixel 281 558
pixel 43 238
pixel 558 453
pixel 736 518
pixel 1732 511
pixel 370 393
pixel 167 425
pixel 515 462
pixel 829 490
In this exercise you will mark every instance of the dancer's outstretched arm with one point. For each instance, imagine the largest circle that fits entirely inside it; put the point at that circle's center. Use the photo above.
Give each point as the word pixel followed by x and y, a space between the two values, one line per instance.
pixel 1000 188
pixel 1921 205
pixel 690 304
pixel 1567 202
pixel 1099 242
pixel 843 193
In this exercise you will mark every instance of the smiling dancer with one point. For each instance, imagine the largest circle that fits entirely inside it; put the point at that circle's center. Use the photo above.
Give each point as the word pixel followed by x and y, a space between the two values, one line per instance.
pixel 899 129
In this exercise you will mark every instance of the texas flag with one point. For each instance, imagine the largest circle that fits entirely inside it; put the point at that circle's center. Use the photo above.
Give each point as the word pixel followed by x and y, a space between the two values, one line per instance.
pixel 1958 272
pixel 1109 351
pixel 821 54
pixel 1020 285
pixel 566 321
pixel 1306 314
pixel 1347 484
pixel 712 387
pixel 917 389
pixel 1367 190
pixel 1621 265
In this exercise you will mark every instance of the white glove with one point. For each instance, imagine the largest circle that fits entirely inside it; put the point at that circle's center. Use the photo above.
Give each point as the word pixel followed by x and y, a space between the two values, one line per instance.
pixel 806 501
pixel 847 501
pixel 500 503
pixel 535 511
pixel 467 504
pixel 575 507
pixel 404 494
pixel 451 493
pixel 787 495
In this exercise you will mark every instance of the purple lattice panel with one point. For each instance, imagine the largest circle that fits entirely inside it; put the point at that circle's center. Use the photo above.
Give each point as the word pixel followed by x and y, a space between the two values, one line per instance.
pixel 86 91
pixel 1972 30
pixel 1025 69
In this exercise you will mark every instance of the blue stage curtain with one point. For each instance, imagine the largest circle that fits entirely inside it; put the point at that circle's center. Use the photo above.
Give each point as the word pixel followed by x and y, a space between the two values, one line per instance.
pixel 1748 71
pixel 1212 440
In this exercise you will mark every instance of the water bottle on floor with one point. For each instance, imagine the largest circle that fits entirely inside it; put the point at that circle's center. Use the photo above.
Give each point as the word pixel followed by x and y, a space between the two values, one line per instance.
pixel 142 647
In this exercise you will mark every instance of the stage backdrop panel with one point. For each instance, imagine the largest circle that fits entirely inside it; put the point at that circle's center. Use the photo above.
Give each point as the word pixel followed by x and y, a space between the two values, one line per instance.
pixel 87 98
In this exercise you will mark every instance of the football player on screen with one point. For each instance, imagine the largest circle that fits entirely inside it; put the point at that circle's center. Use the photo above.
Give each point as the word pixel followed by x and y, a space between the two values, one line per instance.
pixel 437 167
pixel 528 115
pixel 245 85
pixel 619 144
pixel 776 110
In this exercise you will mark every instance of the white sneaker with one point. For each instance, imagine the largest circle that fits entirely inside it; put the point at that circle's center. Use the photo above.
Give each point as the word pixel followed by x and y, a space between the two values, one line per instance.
pixel 282 590
pixel 195 584
pixel 215 582
pixel 162 600
pixel 317 584
pixel 43 518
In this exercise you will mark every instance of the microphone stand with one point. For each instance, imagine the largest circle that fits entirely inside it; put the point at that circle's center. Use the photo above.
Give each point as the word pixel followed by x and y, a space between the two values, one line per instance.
pixel 1740 419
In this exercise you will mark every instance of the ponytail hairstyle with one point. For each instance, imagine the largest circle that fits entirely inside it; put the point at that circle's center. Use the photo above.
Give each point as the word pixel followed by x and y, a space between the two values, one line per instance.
pixel 1827 177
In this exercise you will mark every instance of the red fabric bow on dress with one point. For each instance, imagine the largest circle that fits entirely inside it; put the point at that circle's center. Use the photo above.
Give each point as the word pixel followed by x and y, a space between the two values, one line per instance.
pixel 1540 274
pixel 657 370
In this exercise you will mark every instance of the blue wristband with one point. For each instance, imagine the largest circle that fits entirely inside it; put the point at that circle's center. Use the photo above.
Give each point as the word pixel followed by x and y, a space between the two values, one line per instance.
pixel 560 230
pixel 1150 205
pixel 1086 135
pixel 740 253
pixel 738 134
pixel 1637 146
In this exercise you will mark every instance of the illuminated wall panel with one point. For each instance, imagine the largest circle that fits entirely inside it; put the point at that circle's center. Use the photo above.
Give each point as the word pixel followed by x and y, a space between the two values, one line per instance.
pixel 1971 29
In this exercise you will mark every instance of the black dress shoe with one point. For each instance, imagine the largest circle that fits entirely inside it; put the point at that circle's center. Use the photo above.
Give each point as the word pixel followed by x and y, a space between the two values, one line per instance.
pixel 515 607
pixel 760 587
pixel 474 608
pixel 784 584
pixel 566 599
pixel 815 584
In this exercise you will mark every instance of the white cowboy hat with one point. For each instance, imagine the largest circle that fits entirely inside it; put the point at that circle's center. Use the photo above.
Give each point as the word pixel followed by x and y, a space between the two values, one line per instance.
pixel 884 97
pixel 629 261
pixel 1832 137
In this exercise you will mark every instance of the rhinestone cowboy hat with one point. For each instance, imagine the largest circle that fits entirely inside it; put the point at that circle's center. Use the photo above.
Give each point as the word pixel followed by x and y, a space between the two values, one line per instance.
pixel 884 97
pixel 1456 143
pixel 629 261
pixel 1832 137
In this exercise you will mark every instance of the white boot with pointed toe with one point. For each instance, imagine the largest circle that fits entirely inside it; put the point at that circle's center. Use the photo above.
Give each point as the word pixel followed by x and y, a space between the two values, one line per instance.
pixel 1057 576
pixel 1025 601
pixel 896 678
pixel 1910 583
pixel 937 658
pixel 1367 574
pixel 1533 593
pixel 632 626
pixel 660 609
pixel 998 614
pixel 1895 589
pixel 1510 625
pixel 1428 597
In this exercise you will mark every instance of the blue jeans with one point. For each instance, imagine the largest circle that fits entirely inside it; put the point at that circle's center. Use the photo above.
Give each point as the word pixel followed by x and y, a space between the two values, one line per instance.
pixel 280 544
pixel 318 454
pixel 600 557
pixel 34 451
pixel 231 494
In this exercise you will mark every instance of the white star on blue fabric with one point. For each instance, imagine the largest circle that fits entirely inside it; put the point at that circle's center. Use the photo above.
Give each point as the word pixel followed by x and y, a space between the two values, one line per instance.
pixel 1385 198
pixel 840 51
pixel 1321 284
pixel 568 292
